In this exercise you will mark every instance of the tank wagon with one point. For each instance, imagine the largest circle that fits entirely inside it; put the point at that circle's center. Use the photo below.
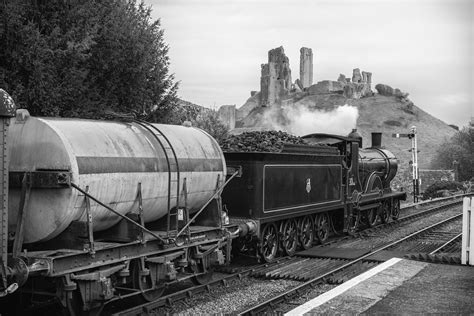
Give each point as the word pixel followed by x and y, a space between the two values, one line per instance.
pixel 99 211
pixel 291 199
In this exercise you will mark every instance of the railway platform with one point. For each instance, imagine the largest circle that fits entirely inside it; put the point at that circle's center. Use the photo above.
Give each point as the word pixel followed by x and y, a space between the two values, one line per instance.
pixel 399 286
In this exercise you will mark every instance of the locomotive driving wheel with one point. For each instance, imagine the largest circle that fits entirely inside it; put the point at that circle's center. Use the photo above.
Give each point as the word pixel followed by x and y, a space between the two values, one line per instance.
pixel 396 210
pixel 142 279
pixel 269 242
pixel 321 225
pixel 372 217
pixel 306 228
pixel 385 212
pixel 290 237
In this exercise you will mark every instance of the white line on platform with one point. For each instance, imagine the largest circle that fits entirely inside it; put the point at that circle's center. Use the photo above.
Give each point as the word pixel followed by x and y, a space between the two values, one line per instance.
pixel 323 298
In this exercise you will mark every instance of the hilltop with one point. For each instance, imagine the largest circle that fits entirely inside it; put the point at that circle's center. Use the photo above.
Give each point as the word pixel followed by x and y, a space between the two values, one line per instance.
pixel 282 104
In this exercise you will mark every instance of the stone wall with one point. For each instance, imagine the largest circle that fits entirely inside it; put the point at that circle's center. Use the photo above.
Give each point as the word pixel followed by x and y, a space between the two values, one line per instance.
pixel 359 87
pixel 226 115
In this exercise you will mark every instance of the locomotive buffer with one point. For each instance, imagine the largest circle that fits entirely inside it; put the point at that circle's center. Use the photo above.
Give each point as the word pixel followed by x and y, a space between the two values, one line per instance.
pixel 414 157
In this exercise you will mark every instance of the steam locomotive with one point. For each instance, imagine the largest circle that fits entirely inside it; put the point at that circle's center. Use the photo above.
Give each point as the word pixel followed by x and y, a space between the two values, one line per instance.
pixel 95 212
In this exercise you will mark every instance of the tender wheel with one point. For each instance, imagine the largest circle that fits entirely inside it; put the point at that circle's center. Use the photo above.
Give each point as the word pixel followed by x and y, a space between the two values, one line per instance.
pixel 321 225
pixel 306 232
pixel 142 279
pixel 396 210
pixel 290 237
pixel 372 217
pixel 269 242
pixel 354 220
pixel 385 212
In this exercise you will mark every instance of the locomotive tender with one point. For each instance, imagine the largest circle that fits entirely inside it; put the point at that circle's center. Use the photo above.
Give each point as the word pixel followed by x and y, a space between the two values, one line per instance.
pixel 97 211
pixel 291 198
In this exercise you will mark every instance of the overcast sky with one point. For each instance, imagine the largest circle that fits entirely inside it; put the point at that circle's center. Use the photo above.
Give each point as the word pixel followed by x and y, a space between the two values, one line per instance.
pixel 421 47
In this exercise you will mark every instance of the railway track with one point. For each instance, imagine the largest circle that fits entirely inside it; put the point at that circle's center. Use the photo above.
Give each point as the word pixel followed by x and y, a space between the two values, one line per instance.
pixel 333 270
pixel 338 272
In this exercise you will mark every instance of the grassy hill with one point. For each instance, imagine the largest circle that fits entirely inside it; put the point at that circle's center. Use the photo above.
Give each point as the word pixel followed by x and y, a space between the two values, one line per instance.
pixel 377 113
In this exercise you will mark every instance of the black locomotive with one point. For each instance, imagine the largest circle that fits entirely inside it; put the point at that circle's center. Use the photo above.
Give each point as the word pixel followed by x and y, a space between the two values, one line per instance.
pixel 290 199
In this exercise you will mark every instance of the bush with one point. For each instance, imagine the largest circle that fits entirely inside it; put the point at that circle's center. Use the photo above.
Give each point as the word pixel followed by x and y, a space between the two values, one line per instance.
pixel 442 188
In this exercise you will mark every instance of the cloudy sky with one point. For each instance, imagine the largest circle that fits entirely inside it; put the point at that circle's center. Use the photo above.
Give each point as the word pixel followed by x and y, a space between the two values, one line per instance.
pixel 423 47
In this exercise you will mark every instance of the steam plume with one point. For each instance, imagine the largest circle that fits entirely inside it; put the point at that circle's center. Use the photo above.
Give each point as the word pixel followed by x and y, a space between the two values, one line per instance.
pixel 303 120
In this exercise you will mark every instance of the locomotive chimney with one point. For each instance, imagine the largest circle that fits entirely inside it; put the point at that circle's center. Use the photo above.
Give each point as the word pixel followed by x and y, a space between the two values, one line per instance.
pixel 376 140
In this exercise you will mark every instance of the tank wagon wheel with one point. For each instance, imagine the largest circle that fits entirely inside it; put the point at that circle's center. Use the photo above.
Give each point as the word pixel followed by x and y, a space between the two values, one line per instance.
pixel 269 242
pixel 396 210
pixel 385 212
pixel 74 305
pixel 306 228
pixel 203 275
pixel 142 280
pixel 290 237
pixel 203 278
pixel 372 217
pixel 321 225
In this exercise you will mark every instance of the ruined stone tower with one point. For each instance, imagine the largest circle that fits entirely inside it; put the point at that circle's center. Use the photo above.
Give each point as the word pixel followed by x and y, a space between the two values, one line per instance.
pixel 275 80
pixel 306 67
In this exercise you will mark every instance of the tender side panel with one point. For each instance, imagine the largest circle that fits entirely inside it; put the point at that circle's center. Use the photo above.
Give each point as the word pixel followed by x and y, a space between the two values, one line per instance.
pixel 294 186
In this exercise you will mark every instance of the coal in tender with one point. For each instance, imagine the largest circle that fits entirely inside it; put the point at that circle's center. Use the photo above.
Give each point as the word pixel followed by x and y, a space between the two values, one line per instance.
pixel 263 141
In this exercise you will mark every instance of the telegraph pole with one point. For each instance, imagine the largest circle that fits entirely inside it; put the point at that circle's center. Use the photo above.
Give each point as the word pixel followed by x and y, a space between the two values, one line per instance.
pixel 414 159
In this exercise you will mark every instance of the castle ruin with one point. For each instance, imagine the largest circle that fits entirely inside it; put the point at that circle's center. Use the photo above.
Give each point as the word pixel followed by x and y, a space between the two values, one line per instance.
pixel 277 88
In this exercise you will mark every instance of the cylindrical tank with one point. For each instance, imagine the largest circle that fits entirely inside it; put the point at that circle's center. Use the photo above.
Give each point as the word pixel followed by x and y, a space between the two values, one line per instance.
pixel 111 159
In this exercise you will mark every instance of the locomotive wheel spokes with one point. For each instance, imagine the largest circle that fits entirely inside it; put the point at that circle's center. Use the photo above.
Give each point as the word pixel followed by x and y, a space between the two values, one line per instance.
pixel 396 210
pixel 269 242
pixel 372 217
pixel 322 227
pixel 306 232
pixel 385 212
pixel 143 281
pixel 290 237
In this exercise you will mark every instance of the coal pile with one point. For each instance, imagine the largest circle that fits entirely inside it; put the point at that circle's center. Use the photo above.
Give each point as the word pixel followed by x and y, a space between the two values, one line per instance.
pixel 266 141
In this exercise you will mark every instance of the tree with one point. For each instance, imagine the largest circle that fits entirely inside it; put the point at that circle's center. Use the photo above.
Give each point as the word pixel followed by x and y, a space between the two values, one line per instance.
pixel 208 120
pixel 81 58
pixel 459 148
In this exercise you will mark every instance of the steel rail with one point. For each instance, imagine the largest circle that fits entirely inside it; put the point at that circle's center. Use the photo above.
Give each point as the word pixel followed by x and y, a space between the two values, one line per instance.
pixel 280 297
pixel 187 293
pixel 445 244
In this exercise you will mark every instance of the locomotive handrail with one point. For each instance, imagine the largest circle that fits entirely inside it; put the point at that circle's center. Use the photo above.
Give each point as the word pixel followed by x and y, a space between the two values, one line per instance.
pixel 218 191
pixel 117 213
